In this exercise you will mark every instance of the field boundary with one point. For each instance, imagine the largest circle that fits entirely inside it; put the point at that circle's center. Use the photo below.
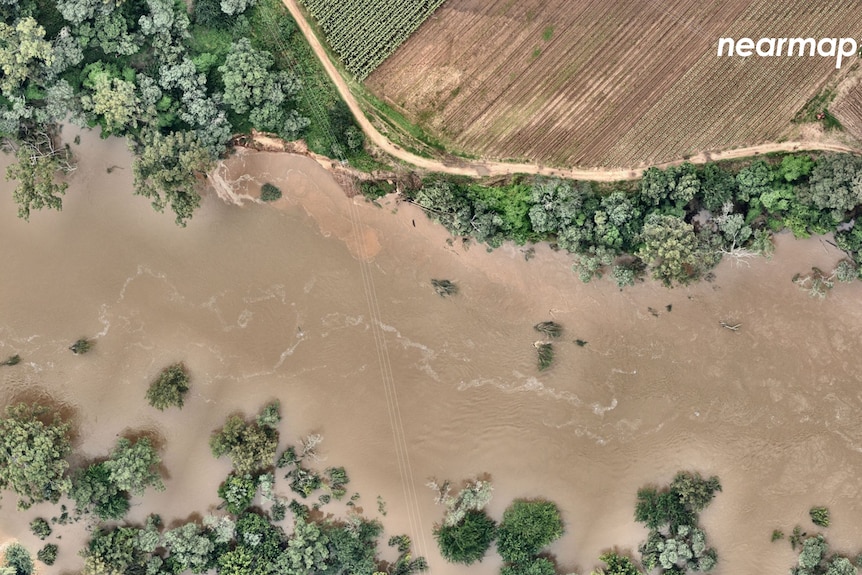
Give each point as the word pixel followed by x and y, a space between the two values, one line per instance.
pixel 484 168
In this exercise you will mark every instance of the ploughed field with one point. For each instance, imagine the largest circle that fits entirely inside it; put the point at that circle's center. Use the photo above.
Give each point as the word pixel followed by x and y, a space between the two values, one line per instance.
pixel 848 109
pixel 610 83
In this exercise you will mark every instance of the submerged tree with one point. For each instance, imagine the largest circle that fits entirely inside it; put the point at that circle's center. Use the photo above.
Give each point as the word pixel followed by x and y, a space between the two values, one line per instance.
pixel 545 354
pixel 444 287
pixel 169 388
pixel 33 450
pixel 549 328
pixel 526 528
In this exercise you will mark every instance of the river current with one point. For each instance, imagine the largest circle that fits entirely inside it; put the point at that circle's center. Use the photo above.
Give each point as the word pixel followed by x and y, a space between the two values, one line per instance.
pixel 325 302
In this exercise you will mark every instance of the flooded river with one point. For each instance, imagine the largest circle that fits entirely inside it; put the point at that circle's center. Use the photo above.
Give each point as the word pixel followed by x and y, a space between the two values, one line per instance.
pixel 325 302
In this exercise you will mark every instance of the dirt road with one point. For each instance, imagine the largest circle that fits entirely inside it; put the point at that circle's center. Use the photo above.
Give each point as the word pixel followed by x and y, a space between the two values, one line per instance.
pixel 492 168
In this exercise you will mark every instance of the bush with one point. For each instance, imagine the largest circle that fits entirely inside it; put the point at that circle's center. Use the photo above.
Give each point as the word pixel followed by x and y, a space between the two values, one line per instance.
pixel 467 541
pixel 47 554
pixel 820 516
pixel 549 328
pixel 444 287
pixel 168 390
pixel 12 360
pixel 546 355
pixel 269 192
pixel 81 346
pixel 526 528
pixel 40 528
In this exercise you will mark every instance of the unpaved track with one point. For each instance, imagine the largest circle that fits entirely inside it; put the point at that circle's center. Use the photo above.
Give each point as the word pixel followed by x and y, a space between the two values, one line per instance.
pixel 492 168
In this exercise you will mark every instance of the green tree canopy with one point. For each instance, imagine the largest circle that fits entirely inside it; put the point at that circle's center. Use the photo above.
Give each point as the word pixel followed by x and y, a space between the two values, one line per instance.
pixel 526 528
pixel 468 540
pixel 670 247
pixel 134 466
pixel 169 388
pixel 250 445
pixel 165 170
pixel 22 49
pixel 33 450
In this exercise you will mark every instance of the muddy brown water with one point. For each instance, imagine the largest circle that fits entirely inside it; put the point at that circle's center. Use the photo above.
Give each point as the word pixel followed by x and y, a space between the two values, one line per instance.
pixel 305 300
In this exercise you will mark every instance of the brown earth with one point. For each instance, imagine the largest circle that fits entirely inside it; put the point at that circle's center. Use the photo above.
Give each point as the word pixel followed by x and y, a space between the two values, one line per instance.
pixel 848 107
pixel 609 83
pixel 806 141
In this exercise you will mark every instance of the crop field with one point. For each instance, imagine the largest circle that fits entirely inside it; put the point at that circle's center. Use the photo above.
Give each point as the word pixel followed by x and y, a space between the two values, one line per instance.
pixel 365 32
pixel 612 83
pixel 848 109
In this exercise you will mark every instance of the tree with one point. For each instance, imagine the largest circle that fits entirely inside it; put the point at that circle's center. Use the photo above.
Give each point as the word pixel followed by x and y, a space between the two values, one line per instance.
pixel 112 99
pixel 115 551
pixel 617 565
pixel 693 491
pixel 250 445
pixel 468 540
pixel 532 566
pixel 134 466
pixel 814 549
pixel 754 180
pixel 234 7
pixel 92 489
pixel 445 203
pixel 526 528
pixel 307 550
pixel 165 170
pixel 170 387
pixel 352 546
pixel 33 450
pixel 238 492
pixel 22 49
pixel 795 168
pixel 670 247
pixel 717 186
pixel 189 548
pixel 47 554
pixel 836 184
pixel 840 566
pixel 250 87
pixel 38 161
pixel 18 559
pixel 556 205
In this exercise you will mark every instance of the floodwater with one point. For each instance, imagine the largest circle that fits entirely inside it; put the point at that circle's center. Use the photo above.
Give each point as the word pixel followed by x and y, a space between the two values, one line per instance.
pixel 325 303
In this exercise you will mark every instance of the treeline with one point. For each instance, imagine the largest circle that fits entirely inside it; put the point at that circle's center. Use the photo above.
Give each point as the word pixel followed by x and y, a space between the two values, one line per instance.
pixel 178 81
pixel 245 539
pixel 675 544
pixel 675 224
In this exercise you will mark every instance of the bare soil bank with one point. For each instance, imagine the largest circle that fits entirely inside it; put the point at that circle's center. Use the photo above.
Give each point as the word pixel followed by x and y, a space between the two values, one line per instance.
pixel 262 303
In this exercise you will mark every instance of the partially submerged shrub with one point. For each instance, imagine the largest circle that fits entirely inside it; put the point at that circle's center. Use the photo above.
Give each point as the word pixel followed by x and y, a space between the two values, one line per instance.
pixel 549 328
pixel 820 516
pixel 269 192
pixel 40 528
pixel 444 287
pixel 168 390
pixel 546 355
pixel 81 346
pixel 47 554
